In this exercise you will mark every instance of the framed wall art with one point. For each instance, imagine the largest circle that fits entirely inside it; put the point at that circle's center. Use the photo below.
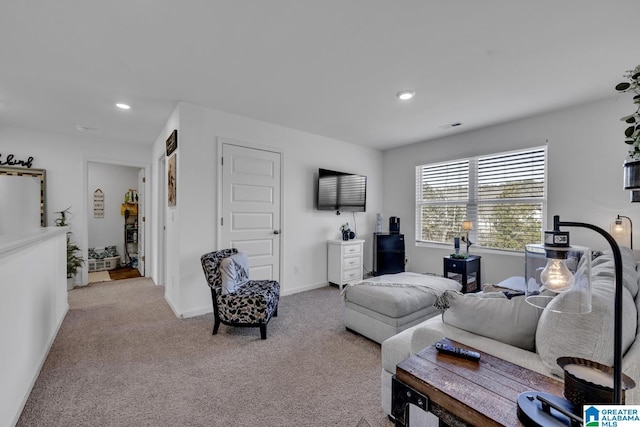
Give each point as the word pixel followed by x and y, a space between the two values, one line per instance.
pixel 172 185
pixel 172 142
pixel 98 204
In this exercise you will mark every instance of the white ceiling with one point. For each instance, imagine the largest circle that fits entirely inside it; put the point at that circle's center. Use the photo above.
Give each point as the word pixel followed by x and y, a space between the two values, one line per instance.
pixel 329 67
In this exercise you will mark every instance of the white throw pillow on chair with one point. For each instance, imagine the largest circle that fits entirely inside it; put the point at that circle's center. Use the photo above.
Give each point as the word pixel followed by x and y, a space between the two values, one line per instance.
pixel 234 272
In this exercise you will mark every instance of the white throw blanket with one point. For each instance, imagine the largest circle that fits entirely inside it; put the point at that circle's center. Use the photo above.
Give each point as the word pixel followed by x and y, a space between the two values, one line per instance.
pixel 423 282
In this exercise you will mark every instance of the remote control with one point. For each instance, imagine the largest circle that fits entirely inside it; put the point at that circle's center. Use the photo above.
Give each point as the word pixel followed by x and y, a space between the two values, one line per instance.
pixel 457 351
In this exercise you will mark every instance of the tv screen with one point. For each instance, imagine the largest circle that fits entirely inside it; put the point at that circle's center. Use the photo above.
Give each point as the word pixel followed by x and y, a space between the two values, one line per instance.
pixel 341 191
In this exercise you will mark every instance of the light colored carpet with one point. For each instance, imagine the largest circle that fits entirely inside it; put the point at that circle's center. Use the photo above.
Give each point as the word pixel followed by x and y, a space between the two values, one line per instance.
pixel 99 276
pixel 122 358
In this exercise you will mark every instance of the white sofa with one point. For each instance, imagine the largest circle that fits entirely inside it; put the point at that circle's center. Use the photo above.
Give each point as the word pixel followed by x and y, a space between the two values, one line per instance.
pixel 588 336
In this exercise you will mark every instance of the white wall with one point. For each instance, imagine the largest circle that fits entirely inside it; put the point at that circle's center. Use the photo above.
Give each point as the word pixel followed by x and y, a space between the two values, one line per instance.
pixel 304 229
pixel 114 181
pixel 33 303
pixel 65 160
pixel 585 157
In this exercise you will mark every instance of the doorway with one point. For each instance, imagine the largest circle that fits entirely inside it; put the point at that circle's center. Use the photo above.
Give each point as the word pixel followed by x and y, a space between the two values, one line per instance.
pixel 115 233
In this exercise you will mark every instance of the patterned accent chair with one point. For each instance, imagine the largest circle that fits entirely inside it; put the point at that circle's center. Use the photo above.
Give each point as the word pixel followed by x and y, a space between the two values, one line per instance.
pixel 251 305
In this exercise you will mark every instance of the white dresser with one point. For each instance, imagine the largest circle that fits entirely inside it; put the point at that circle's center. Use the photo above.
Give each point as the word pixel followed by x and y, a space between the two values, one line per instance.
pixel 344 261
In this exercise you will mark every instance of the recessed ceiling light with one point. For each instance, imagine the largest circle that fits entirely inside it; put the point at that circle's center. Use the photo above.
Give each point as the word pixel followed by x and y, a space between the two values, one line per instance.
pixel 405 95
pixel 81 128
pixel 123 106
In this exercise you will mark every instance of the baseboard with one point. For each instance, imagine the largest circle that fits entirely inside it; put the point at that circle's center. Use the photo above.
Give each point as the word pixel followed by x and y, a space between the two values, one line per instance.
pixel 303 289
pixel 198 311
pixel 191 313
pixel 208 308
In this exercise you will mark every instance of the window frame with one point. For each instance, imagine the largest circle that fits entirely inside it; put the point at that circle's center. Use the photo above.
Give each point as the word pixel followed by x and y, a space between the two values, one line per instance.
pixel 472 201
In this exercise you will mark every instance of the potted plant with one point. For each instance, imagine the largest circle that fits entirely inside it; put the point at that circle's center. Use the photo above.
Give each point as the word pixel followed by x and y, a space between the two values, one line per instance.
pixel 632 132
pixel 74 261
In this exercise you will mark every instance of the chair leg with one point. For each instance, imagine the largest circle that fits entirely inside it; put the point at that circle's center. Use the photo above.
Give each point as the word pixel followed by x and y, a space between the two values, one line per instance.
pixel 216 325
pixel 263 331
pixel 275 313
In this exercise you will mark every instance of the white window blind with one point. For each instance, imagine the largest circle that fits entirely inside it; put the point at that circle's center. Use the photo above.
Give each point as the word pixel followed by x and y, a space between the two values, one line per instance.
pixel 504 195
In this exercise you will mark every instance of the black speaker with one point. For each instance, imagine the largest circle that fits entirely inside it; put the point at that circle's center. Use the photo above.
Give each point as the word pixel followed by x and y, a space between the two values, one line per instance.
pixel 394 225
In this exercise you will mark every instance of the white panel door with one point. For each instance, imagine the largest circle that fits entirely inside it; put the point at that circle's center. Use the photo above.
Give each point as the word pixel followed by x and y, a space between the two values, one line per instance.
pixel 251 207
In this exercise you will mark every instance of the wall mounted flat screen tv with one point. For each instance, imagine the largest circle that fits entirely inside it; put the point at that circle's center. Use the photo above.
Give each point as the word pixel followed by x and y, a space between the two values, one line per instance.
pixel 341 191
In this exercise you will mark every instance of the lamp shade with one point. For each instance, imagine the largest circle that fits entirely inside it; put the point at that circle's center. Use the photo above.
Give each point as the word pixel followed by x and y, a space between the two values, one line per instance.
pixel 620 231
pixel 560 271
pixel 467 225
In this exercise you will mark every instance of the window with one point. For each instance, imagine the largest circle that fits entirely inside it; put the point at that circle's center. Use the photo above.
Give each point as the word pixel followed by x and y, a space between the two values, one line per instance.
pixel 504 195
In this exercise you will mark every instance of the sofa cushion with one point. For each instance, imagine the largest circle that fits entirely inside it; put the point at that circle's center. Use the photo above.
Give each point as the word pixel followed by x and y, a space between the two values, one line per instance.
pixel 604 266
pixel 589 336
pixel 509 320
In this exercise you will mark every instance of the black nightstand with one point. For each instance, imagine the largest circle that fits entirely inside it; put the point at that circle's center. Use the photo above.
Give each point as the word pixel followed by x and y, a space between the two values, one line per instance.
pixel 466 271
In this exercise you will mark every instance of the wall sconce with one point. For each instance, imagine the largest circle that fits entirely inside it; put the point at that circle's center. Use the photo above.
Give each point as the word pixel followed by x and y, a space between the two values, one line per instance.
pixel 466 227
pixel 532 405
pixel 622 232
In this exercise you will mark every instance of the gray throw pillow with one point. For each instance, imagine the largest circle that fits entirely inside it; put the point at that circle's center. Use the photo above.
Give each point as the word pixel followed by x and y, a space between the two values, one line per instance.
pixel 234 272
pixel 491 314
pixel 589 336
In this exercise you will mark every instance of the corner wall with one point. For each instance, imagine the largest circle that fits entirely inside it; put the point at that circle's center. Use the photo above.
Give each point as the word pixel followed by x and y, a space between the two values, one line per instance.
pixel 304 229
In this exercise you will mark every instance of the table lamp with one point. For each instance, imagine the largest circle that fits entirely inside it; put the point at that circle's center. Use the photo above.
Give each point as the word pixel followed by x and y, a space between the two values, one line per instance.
pixel 466 227
pixel 534 408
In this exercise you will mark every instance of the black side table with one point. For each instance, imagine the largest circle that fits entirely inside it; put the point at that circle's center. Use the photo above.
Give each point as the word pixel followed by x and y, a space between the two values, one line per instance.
pixel 466 271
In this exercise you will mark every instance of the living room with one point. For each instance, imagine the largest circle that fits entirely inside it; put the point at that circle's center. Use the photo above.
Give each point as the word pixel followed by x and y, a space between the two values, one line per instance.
pixel 585 157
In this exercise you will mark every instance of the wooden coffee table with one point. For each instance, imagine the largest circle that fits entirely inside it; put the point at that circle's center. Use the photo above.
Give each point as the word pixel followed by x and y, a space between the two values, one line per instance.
pixel 465 393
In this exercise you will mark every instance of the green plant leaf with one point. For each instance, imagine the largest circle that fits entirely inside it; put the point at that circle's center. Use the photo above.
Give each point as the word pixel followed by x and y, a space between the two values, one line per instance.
pixel 623 86
pixel 629 131
pixel 628 141
pixel 629 119
pixel 635 76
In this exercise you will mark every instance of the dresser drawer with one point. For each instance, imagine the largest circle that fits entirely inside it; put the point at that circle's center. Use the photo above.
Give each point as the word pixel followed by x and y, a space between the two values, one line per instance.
pixel 352 249
pixel 456 266
pixel 351 275
pixel 352 261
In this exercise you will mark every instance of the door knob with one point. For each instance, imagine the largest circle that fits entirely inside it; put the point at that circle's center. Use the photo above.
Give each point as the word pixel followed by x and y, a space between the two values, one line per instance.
pixel 276 231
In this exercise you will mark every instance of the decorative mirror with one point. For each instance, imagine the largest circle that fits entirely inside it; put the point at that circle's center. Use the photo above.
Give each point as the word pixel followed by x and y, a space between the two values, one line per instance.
pixel 22 199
